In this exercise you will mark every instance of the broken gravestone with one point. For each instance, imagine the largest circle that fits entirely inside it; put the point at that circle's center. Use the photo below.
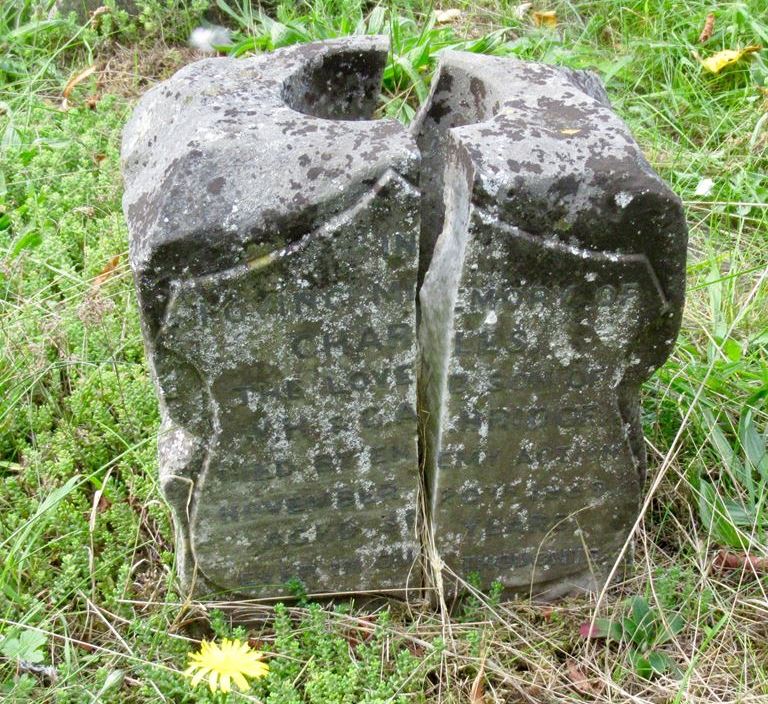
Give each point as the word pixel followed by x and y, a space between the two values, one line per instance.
pixel 551 286
pixel 278 240
pixel 274 247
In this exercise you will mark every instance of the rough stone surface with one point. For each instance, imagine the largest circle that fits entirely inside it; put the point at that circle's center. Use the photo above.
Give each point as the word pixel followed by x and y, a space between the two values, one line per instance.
pixel 274 243
pixel 279 237
pixel 552 262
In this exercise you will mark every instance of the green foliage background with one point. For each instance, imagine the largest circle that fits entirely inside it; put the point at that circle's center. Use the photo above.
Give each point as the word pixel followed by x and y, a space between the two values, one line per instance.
pixel 86 540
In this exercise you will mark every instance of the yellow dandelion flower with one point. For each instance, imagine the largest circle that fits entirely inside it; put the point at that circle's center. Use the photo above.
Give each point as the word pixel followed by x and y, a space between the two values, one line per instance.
pixel 232 661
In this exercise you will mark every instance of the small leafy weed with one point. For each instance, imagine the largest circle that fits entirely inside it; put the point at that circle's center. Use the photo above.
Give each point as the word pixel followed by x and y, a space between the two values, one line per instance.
pixel 642 631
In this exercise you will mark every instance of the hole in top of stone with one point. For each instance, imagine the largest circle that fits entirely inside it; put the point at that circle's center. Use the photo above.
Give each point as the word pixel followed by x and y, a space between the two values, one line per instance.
pixel 339 85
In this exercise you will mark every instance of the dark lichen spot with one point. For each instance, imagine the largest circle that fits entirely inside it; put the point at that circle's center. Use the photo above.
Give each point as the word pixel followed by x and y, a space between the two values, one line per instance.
pixel 215 185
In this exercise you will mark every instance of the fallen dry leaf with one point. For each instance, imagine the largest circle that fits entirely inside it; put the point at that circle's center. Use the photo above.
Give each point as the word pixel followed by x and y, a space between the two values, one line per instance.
pixel 447 16
pixel 725 560
pixel 717 62
pixel 77 78
pixel 709 28
pixel 99 11
pixel 357 636
pixel 592 630
pixel 107 271
pixel 477 693
pixel 522 9
pixel 97 14
pixel 416 649
pixel 545 19
pixel 71 83
pixel 581 682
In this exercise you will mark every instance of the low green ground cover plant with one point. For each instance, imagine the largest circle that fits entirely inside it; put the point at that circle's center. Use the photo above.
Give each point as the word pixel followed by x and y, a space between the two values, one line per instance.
pixel 643 631
pixel 732 506
pixel 89 604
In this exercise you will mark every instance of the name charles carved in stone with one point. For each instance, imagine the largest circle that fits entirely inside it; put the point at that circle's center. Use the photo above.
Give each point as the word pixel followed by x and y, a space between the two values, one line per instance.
pixel 503 276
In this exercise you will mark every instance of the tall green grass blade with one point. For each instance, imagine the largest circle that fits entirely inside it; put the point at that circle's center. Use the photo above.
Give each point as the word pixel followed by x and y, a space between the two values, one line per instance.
pixel 754 446
pixel 728 455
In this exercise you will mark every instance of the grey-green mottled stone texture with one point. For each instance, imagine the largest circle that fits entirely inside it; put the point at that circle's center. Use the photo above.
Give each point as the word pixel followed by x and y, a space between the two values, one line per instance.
pixel 299 265
pixel 274 242
pixel 552 286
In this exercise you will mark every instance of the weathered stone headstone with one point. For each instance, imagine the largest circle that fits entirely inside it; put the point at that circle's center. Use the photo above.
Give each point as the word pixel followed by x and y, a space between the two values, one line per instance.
pixel 274 246
pixel 279 237
pixel 552 287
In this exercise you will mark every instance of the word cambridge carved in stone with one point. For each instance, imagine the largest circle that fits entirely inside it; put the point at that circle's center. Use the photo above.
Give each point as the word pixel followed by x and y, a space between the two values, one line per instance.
pixel 309 277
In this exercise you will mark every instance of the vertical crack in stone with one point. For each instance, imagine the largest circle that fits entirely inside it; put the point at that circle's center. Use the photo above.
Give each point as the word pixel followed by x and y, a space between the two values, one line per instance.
pixel 452 86
pixel 437 300
pixel 445 180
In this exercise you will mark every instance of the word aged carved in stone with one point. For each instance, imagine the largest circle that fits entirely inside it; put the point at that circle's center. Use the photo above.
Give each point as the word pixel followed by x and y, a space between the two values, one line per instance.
pixel 316 285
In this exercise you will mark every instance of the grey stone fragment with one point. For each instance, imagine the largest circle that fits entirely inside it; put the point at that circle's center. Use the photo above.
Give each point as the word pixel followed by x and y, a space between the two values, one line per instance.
pixel 552 281
pixel 274 233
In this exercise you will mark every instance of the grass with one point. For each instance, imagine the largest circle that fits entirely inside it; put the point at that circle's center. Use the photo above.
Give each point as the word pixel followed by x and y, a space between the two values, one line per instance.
pixel 87 581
